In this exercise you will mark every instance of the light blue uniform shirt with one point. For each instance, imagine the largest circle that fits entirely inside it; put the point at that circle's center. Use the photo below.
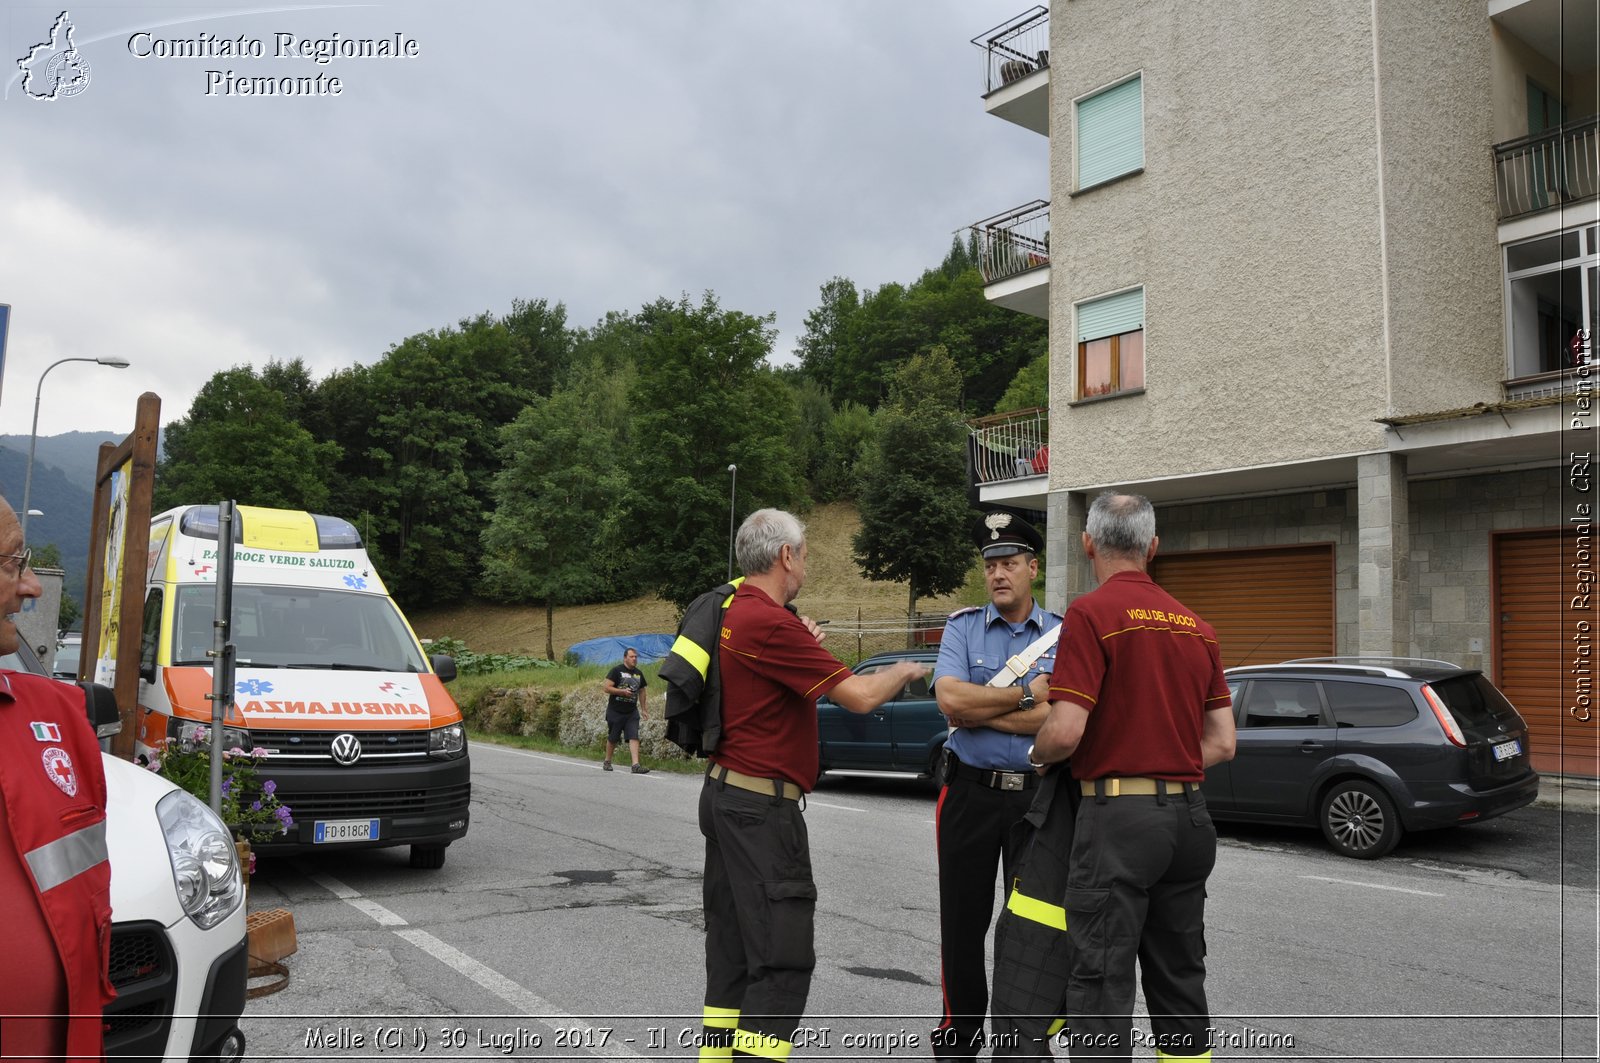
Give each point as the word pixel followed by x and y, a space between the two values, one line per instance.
pixel 976 644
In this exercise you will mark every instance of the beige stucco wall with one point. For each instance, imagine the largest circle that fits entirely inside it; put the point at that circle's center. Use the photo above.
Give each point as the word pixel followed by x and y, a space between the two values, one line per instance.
pixel 1256 229
pixel 1253 228
pixel 1447 345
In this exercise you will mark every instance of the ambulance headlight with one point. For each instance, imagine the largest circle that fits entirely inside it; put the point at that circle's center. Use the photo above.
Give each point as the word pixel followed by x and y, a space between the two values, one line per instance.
pixel 189 736
pixel 447 743
pixel 205 868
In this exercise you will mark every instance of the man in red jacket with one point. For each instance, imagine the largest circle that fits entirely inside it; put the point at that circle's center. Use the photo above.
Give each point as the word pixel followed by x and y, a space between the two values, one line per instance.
pixel 55 877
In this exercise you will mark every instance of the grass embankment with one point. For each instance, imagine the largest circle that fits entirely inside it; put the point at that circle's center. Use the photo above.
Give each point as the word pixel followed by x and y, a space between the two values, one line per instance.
pixel 834 591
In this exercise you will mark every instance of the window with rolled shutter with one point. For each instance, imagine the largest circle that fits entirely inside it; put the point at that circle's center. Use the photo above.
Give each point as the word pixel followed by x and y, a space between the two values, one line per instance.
pixel 1111 344
pixel 1110 140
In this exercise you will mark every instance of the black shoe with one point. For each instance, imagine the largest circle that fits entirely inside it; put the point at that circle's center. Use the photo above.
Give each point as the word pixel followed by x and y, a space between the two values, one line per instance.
pixel 640 769
pixel 605 765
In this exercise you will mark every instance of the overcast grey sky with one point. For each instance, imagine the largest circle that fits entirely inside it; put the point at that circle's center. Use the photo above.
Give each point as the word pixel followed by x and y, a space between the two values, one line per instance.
pixel 600 154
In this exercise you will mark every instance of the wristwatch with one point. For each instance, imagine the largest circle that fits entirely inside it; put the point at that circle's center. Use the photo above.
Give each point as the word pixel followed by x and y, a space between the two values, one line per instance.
pixel 1027 701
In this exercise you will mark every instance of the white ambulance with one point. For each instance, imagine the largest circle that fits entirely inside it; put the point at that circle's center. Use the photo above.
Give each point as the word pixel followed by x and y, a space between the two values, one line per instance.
pixel 361 739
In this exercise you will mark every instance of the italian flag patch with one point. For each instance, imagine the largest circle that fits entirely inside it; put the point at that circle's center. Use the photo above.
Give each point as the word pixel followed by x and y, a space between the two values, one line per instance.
pixel 46 732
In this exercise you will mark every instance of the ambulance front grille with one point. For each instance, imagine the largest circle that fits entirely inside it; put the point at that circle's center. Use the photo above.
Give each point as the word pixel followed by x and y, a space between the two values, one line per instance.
pixel 366 804
pixel 315 745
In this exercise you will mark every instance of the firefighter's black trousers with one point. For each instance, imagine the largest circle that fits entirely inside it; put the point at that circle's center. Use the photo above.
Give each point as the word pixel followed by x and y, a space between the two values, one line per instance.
pixel 760 906
pixel 1136 889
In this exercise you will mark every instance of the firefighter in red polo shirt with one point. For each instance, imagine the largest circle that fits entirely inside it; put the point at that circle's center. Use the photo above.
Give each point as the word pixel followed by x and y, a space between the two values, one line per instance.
pixel 1139 702
pixel 760 898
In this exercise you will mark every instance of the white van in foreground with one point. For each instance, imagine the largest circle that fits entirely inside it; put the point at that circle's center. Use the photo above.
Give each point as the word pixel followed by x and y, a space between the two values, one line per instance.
pixel 361 740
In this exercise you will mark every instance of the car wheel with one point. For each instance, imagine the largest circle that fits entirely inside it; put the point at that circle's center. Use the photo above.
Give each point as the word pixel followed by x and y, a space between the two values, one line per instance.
pixel 428 857
pixel 1359 820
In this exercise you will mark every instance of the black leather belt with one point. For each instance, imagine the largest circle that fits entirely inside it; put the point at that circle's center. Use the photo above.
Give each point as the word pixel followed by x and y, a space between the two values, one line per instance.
pixel 995 780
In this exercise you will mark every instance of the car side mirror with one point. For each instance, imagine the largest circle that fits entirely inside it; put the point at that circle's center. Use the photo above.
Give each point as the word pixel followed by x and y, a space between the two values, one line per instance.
pixel 100 701
pixel 444 666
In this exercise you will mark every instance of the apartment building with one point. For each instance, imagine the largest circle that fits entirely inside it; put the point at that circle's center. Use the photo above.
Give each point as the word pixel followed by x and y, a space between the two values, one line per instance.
pixel 1323 282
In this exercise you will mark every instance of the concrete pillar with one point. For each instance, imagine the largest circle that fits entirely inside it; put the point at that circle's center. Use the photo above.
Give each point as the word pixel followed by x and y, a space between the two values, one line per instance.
pixel 1066 573
pixel 1383 557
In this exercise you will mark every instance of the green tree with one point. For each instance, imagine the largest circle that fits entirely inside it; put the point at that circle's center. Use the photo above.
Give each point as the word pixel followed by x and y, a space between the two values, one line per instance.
pixel 1029 389
pixel 557 530
pixel 813 415
pixel 847 441
pixel 914 514
pixel 540 331
pixel 826 331
pixel 704 398
pixel 240 441
pixel 436 401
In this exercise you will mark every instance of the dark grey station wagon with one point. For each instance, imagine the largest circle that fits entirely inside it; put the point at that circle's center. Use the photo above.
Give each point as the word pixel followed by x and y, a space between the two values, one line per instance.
pixel 1368 748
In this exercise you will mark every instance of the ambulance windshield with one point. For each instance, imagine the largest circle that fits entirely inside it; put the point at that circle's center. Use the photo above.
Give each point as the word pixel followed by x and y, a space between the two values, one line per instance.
pixel 299 627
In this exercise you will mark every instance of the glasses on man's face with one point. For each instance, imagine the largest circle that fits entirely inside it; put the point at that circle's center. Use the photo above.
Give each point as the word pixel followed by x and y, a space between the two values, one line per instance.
pixel 18 563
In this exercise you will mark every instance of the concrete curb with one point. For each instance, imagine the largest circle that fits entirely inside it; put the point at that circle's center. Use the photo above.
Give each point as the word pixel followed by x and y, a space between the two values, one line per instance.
pixel 1571 793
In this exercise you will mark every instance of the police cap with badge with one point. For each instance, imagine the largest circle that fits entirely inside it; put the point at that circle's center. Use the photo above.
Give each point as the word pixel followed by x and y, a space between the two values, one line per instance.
pixel 1002 534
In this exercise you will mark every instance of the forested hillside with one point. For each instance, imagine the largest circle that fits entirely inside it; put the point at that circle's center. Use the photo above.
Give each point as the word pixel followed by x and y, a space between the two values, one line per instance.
pixel 526 460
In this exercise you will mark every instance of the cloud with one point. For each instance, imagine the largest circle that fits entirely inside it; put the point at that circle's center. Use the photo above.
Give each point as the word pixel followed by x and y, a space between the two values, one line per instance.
pixel 601 154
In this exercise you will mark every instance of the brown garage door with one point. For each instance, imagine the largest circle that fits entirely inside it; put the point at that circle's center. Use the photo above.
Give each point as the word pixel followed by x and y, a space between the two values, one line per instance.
pixel 1267 605
pixel 1535 648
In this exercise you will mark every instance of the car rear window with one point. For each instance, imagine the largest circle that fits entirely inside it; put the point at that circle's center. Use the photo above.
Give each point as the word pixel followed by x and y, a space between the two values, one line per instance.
pixel 1369 704
pixel 1473 700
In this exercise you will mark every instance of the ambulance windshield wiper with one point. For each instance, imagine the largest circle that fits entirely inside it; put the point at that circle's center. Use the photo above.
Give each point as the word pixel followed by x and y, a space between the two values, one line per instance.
pixel 325 666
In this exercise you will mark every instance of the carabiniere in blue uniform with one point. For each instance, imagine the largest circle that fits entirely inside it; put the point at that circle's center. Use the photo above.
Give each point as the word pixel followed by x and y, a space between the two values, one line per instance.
pixel 988 786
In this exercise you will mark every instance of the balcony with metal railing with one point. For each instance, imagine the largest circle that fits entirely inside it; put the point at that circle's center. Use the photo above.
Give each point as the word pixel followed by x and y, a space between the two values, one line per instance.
pixel 1014 257
pixel 1549 169
pixel 1010 446
pixel 1016 65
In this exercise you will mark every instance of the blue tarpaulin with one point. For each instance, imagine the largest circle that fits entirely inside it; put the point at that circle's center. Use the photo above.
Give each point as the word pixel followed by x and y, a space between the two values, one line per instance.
pixel 608 650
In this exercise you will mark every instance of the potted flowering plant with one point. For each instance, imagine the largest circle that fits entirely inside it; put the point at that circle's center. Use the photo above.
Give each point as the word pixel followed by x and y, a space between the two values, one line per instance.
pixel 250 805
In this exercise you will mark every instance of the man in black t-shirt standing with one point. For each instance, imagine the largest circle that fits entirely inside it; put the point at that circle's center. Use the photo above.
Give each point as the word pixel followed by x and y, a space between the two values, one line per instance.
pixel 625 683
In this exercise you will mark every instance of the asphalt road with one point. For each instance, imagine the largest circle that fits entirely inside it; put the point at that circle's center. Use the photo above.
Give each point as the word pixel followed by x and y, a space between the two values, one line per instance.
pixel 567 923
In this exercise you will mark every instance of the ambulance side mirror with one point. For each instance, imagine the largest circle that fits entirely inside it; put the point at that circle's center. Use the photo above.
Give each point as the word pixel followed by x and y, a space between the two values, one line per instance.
pixel 100 701
pixel 444 666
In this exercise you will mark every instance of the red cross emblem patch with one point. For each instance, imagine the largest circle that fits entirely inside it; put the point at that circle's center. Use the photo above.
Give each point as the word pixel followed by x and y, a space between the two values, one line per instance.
pixel 58 766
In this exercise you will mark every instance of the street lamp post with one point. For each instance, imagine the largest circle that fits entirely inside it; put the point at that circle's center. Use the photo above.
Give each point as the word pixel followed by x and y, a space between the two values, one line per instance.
pixel 33 436
pixel 733 480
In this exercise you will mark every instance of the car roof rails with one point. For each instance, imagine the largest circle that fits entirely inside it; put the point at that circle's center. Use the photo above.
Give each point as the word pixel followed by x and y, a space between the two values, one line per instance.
pixel 1390 667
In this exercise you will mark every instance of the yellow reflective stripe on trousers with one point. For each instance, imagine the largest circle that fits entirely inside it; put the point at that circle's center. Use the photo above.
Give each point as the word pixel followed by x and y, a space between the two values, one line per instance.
pixel 716 1044
pixel 760 1044
pixel 720 1018
pixel 68 856
pixel 692 652
pixel 1203 1057
pixel 1055 1027
pixel 1037 911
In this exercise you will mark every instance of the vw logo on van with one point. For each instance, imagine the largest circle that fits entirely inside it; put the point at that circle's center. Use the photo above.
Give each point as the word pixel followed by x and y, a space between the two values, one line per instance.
pixel 346 749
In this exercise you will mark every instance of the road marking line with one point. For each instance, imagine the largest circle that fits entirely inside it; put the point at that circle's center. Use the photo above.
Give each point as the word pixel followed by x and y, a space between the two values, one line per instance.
pixel 526 1002
pixel 568 761
pixel 1371 885
pixel 529 1003
pixel 825 804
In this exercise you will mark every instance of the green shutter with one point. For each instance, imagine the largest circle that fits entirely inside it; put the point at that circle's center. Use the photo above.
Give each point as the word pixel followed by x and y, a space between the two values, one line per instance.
pixel 1110 133
pixel 1111 316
